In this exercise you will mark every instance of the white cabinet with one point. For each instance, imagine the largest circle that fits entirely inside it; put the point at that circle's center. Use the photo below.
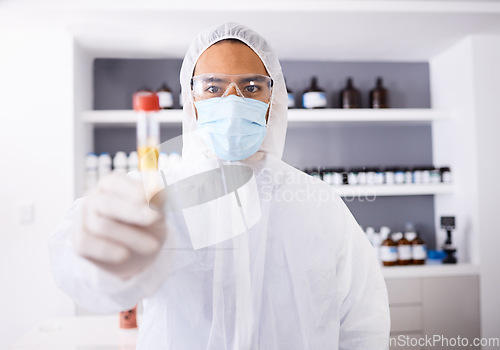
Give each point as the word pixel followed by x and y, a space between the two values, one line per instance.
pixel 439 309
pixel 451 306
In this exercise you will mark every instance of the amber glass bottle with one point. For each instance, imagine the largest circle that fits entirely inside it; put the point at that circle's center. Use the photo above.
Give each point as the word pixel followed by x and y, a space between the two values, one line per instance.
pixel 388 249
pixel 291 97
pixel 379 96
pixel 350 97
pixel 404 251
pixel 314 96
pixel 165 95
pixel 419 250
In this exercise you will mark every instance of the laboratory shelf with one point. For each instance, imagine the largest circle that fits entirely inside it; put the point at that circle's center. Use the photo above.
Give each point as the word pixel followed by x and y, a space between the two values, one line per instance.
pixel 128 117
pixel 372 191
pixel 296 117
pixel 365 115
pixel 430 270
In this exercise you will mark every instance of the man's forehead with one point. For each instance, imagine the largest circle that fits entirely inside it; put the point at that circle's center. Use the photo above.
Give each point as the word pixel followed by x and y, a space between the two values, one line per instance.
pixel 229 58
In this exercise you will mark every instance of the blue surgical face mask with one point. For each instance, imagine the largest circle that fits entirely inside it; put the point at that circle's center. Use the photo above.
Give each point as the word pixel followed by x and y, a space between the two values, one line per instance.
pixel 232 126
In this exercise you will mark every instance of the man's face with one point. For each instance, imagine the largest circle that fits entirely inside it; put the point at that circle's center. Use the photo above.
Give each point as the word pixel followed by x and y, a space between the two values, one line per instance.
pixel 230 58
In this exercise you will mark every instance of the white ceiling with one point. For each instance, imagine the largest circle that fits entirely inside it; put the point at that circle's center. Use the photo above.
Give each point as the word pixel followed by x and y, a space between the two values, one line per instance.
pixel 328 29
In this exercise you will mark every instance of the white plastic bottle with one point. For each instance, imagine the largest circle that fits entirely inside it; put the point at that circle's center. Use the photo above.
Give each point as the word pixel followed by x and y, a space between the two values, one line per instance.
pixel 174 158
pixel 120 162
pixel 162 161
pixel 133 161
pixel 104 164
pixel 91 174
pixel 377 243
pixel 370 231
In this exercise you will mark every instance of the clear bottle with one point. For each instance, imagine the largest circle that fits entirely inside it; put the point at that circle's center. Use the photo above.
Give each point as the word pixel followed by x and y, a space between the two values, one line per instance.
pixel 435 175
pixel 408 175
pixel 91 173
pixel 133 161
pixel 404 251
pixel 174 159
pixel 120 162
pixel 389 175
pixel 370 176
pixel 417 175
pixel 165 97
pixel 352 176
pixel 327 175
pixel 314 96
pixel 379 96
pixel 388 248
pixel 379 176
pixel 399 175
pixel 362 176
pixel 162 161
pixel 445 174
pixel 104 164
pixel 426 174
pixel 337 178
pixel 350 97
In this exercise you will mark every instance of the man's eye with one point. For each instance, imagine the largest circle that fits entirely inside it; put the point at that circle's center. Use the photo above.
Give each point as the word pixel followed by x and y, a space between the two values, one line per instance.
pixel 251 88
pixel 213 89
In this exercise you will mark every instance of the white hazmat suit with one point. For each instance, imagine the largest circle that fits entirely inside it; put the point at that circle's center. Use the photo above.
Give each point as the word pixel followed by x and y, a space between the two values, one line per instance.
pixel 300 276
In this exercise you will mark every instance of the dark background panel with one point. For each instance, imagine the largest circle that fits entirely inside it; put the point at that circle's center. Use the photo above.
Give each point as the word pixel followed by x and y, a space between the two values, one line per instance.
pixel 343 145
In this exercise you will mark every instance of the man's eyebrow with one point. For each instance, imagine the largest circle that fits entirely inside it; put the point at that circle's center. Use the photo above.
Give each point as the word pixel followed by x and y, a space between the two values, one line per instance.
pixel 213 80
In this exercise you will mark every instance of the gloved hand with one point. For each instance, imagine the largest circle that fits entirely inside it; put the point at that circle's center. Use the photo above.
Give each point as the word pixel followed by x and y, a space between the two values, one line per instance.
pixel 118 231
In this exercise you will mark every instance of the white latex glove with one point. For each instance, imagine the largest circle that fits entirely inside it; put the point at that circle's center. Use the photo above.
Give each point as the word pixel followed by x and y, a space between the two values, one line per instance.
pixel 118 231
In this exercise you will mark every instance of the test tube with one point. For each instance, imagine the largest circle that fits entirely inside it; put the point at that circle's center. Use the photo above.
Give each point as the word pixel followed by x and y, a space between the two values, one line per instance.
pixel 146 106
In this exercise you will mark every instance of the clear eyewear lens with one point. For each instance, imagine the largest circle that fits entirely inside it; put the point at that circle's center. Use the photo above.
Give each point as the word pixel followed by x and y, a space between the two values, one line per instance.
pixel 254 86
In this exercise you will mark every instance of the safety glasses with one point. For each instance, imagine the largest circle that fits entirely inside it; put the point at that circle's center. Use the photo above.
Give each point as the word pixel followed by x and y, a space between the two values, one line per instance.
pixel 210 85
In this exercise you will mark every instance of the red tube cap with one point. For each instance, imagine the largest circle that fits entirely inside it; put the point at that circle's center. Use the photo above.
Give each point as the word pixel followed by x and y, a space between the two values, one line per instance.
pixel 146 101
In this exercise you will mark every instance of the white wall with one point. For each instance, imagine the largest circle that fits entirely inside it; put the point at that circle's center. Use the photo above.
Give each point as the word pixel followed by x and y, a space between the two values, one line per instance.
pixel 466 78
pixel 487 95
pixel 454 143
pixel 36 154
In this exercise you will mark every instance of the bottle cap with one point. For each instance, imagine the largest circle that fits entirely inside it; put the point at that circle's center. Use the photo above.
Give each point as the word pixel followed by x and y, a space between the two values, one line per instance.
pixel 146 101
pixel 410 236
pixel 397 236
pixel 384 232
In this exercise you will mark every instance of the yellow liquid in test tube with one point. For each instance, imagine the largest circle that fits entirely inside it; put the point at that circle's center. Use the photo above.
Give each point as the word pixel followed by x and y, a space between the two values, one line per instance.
pixel 148 158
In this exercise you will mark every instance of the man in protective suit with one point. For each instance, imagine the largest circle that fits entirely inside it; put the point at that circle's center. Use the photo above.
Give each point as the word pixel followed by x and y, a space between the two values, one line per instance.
pixel 277 262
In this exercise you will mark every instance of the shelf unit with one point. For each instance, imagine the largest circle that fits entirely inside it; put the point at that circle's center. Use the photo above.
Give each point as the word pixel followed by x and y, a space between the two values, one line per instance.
pixel 315 118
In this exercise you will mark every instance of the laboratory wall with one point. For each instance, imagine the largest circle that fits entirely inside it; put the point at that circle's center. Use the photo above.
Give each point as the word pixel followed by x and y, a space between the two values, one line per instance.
pixel 487 75
pixel 472 65
pixel 36 177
